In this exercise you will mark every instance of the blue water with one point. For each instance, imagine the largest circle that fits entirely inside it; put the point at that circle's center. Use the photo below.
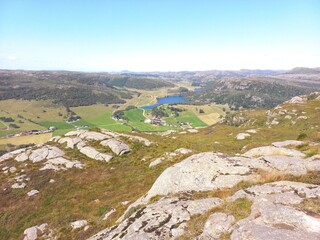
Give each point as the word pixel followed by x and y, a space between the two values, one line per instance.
pixel 166 100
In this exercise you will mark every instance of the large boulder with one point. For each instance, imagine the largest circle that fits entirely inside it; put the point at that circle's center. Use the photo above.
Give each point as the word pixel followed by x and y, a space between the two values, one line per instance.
pixel 71 142
pixel 242 136
pixel 116 146
pixel 12 154
pixel 33 232
pixel 200 172
pixel 46 152
pixel 94 154
pixel 79 224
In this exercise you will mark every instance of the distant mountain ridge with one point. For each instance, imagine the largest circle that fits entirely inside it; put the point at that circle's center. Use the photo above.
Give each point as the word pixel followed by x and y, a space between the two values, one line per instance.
pixel 304 70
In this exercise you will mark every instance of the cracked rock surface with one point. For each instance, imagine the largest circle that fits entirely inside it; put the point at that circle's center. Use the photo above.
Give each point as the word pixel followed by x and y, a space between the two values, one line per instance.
pixel 164 219
pixel 275 213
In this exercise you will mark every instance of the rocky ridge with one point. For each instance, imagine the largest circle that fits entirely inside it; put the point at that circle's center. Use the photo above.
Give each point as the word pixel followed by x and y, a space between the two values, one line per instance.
pixel 215 171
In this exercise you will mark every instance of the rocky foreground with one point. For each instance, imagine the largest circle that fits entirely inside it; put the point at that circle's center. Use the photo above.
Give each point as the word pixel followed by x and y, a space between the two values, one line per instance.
pixel 275 210
pixel 271 182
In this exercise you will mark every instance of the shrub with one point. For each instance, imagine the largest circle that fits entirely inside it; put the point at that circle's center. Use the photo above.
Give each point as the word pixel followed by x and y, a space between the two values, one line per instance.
pixel 7 119
pixel 130 107
pixel 301 136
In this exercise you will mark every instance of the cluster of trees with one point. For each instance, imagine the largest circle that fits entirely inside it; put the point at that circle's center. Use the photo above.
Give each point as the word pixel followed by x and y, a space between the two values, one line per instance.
pixel 7 119
pixel 119 114
pixel 159 112
pixel 176 111
pixel 130 107
pixel 183 90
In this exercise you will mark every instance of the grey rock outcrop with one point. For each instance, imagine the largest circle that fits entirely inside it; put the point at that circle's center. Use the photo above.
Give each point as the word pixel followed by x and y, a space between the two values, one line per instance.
pixel 89 135
pixel 200 172
pixel 242 136
pixel 116 146
pixel 298 100
pixel 79 224
pixel 45 152
pixel 61 163
pixel 156 161
pixel 287 143
pixel 19 185
pixel 71 142
pixel 164 219
pixel 24 156
pixel 273 151
pixel 94 154
pixel 12 154
pixel 33 232
pixel 274 214
pixel 32 192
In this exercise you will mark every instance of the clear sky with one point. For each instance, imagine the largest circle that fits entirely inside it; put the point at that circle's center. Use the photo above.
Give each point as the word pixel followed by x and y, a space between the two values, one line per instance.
pixel 162 35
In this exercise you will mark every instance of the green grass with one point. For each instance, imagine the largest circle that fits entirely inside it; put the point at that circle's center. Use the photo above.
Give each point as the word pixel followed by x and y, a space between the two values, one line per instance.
pixel 135 115
pixel 62 127
pixel 171 120
pixel 83 122
pixel 2 125
pixel 98 116
pixel 58 125
pixel 188 116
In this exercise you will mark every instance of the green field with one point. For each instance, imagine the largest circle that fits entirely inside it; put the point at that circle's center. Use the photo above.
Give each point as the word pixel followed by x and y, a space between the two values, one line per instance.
pixel 135 115
pixel 62 127
pixel 188 116
pixel 98 116
pixel 29 115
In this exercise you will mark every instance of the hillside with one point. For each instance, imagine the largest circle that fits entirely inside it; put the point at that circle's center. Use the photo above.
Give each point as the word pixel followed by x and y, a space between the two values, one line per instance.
pixel 72 89
pixel 254 174
pixel 253 92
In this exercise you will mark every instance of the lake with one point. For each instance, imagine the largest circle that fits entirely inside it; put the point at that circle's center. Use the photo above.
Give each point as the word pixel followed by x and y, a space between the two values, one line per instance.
pixel 167 100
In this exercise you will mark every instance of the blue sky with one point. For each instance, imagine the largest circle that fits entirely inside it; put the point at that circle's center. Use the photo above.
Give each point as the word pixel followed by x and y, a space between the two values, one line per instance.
pixel 166 35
